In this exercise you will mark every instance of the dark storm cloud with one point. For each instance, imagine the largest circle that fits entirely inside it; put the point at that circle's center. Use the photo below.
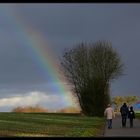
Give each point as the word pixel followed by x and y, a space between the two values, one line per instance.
pixel 72 23
pixel 16 66
pixel 16 63
pixel 65 25
pixel 16 89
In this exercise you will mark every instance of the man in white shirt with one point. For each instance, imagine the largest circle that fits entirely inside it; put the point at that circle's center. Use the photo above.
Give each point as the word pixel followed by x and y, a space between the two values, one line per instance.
pixel 109 113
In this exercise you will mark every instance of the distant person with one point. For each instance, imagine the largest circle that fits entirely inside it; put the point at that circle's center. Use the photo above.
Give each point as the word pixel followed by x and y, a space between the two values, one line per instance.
pixel 124 114
pixel 109 113
pixel 131 116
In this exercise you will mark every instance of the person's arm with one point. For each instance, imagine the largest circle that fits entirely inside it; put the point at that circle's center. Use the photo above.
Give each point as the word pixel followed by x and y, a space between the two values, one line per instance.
pixel 105 112
pixel 127 110
pixel 128 114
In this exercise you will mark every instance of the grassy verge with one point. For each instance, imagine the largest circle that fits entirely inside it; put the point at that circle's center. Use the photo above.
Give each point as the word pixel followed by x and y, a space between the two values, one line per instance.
pixel 137 115
pixel 50 125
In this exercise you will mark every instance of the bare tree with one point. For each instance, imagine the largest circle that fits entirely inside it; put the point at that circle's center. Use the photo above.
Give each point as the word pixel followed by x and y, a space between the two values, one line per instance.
pixel 90 68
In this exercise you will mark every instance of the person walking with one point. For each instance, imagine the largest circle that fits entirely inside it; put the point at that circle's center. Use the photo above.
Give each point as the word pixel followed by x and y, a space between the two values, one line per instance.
pixel 131 116
pixel 124 114
pixel 109 113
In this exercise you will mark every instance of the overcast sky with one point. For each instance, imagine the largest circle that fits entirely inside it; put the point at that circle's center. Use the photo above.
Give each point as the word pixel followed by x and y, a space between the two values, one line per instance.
pixel 62 26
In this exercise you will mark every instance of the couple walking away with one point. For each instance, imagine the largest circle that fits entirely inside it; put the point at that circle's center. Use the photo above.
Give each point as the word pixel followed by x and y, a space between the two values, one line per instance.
pixel 125 112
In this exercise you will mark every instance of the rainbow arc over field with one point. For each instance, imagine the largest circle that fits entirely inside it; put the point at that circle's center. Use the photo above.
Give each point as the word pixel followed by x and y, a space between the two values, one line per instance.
pixel 33 41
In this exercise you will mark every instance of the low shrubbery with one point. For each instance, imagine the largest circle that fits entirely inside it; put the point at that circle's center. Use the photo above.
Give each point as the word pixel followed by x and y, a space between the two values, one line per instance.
pixel 29 109
pixel 37 109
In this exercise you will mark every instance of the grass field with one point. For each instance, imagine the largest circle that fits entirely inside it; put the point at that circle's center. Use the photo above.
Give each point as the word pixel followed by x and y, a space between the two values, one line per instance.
pixel 137 113
pixel 49 125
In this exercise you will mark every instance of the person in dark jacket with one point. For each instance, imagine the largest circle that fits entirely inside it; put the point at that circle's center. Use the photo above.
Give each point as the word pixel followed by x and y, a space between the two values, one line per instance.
pixel 131 116
pixel 124 113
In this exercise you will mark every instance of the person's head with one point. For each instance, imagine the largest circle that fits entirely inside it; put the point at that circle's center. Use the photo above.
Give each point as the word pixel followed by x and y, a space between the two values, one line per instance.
pixel 131 108
pixel 109 105
pixel 124 104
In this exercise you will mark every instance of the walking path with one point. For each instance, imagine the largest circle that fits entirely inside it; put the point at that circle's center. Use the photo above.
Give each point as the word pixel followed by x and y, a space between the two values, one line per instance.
pixel 118 131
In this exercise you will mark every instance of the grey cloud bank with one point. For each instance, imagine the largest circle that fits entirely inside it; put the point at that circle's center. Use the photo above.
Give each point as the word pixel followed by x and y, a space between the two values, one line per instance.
pixel 65 25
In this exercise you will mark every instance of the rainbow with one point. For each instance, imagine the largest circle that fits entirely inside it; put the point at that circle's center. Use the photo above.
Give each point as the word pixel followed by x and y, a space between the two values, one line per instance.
pixel 41 53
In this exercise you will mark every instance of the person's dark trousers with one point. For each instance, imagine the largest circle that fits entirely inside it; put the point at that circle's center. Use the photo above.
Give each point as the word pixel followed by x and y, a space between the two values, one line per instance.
pixel 131 122
pixel 124 117
pixel 109 123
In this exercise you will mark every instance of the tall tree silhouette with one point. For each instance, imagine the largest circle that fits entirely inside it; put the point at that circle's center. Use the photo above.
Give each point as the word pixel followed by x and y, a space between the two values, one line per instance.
pixel 90 67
